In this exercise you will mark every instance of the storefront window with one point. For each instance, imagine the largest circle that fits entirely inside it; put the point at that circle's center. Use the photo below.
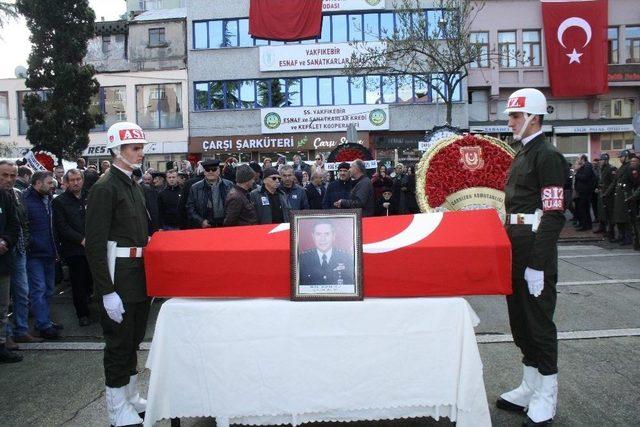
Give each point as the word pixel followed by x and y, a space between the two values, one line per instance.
pixel 4 114
pixel 615 141
pixel 158 106
pixel 573 144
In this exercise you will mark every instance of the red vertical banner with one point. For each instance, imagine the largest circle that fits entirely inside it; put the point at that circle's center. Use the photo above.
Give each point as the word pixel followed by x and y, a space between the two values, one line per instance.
pixel 286 20
pixel 576 41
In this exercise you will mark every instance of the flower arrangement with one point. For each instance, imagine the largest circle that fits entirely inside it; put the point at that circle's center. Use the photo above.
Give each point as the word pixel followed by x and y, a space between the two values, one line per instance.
pixel 349 152
pixel 459 163
pixel 46 159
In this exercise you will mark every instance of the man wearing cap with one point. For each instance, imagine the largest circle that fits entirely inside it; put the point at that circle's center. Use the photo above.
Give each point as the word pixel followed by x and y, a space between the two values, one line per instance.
pixel 240 210
pixel 269 200
pixel 116 233
pixel 159 181
pixel 534 203
pixel 361 195
pixel 605 196
pixel 620 212
pixel 206 201
pixel 339 188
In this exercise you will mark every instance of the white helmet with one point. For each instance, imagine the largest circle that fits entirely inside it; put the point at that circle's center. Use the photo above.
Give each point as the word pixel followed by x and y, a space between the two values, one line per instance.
pixel 122 133
pixel 528 100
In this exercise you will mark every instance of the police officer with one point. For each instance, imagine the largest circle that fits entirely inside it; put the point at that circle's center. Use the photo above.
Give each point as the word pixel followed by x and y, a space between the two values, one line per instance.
pixel 620 212
pixel 116 232
pixel 605 195
pixel 534 202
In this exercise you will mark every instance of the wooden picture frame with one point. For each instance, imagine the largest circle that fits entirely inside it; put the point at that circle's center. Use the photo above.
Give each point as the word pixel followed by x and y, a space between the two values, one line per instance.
pixel 326 255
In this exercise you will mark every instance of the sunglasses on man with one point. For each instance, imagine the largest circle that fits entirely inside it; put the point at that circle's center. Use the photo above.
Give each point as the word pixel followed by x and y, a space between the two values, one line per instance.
pixel 275 178
pixel 211 168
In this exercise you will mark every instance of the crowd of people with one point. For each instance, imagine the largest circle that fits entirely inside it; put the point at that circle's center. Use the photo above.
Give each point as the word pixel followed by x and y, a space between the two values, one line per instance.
pixel 43 219
pixel 598 192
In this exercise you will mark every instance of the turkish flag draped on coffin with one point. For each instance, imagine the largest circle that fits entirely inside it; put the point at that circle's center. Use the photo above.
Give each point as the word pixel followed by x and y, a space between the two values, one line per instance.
pixel 576 38
pixel 286 20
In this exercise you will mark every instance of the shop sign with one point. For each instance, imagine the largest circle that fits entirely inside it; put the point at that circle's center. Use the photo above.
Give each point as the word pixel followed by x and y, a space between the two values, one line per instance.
pixel 502 129
pixel 340 5
pixel 271 142
pixel 593 129
pixel 308 56
pixel 324 119
pixel 95 151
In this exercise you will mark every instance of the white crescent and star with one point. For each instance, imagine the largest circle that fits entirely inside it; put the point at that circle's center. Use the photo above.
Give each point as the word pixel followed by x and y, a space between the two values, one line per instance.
pixel 574 22
pixel 420 227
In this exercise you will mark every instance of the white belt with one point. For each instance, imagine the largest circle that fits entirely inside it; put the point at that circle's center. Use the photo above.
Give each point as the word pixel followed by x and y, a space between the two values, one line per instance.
pixel 129 252
pixel 521 219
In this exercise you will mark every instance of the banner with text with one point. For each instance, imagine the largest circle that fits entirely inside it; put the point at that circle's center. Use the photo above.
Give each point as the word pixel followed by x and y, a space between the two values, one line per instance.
pixel 324 119
pixel 308 56
pixel 340 5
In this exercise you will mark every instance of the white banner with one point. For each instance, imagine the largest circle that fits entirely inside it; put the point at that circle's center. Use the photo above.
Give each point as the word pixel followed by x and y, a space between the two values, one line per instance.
pixel 33 163
pixel 308 56
pixel 593 129
pixel 369 164
pixel 324 119
pixel 340 5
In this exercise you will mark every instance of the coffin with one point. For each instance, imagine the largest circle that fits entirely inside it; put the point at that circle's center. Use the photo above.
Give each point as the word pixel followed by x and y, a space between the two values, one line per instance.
pixel 431 254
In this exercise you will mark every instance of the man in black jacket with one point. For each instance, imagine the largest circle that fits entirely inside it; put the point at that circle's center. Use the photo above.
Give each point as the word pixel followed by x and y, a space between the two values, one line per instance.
pixel 271 203
pixel 68 217
pixel 316 191
pixel 361 195
pixel 585 185
pixel 168 201
pixel 9 229
pixel 206 201
pixel 338 189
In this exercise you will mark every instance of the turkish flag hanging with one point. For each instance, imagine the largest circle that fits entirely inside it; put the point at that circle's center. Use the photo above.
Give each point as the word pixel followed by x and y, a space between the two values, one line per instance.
pixel 576 39
pixel 286 20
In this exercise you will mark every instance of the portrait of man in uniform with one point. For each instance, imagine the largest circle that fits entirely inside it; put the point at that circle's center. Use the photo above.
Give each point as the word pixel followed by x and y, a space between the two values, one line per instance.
pixel 327 250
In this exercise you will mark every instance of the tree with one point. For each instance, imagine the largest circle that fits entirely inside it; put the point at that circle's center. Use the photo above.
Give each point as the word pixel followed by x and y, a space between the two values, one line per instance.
pixel 8 11
pixel 58 111
pixel 432 45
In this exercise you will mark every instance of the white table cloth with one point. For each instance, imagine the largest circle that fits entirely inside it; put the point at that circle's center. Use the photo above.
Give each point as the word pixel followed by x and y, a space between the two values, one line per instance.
pixel 275 361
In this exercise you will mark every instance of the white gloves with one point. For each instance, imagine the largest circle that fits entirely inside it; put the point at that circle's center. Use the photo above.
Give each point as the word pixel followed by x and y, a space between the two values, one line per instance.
pixel 535 281
pixel 113 305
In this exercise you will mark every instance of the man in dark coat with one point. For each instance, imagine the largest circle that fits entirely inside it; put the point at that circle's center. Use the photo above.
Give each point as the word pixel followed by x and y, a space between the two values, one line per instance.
pixel 605 197
pixel 324 264
pixel 272 205
pixel 316 191
pixel 239 208
pixel 69 219
pixel 585 185
pixel 361 195
pixel 207 197
pixel 339 188
pixel 168 201
pixel 185 223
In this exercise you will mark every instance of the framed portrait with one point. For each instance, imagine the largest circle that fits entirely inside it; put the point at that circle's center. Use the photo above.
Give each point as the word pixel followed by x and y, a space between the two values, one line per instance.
pixel 326 255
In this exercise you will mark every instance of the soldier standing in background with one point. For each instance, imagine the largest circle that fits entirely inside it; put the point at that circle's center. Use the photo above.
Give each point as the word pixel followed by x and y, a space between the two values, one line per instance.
pixel 620 214
pixel 605 196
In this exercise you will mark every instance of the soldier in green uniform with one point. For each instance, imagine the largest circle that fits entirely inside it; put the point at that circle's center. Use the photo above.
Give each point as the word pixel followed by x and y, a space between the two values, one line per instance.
pixel 632 196
pixel 620 213
pixel 534 200
pixel 116 233
pixel 605 196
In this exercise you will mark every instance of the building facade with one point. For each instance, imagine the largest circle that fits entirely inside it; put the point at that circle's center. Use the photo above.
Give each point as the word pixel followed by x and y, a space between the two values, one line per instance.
pixel 258 98
pixel 588 125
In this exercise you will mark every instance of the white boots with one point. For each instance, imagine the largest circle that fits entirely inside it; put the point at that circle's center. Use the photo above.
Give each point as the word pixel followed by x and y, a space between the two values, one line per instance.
pixel 542 407
pixel 121 412
pixel 537 394
pixel 519 398
pixel 133 395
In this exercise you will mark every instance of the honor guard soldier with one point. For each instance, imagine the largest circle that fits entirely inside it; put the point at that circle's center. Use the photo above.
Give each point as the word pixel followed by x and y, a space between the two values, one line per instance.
pixel 116 233
pixel 534 201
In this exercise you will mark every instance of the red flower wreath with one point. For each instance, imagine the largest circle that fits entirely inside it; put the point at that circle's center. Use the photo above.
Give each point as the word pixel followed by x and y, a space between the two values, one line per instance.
pixel 46 159
pixel 446 174
pixel 349 155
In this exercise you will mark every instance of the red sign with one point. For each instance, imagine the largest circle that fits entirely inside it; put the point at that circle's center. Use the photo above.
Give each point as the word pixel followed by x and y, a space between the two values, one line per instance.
pixel 126 134
pixel 286 20
pixel 517 102
pixel 576 38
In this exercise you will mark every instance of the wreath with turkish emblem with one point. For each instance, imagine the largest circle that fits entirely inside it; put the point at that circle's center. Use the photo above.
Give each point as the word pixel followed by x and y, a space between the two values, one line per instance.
pixel 464 172
pixel 47 159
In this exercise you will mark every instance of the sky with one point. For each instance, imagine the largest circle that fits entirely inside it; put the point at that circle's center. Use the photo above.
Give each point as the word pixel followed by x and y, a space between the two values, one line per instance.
pixel 15 46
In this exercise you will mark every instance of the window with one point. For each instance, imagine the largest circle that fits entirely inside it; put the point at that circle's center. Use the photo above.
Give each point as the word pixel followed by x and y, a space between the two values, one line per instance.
pixel 243 33
pixel 294 98
pixel 372 90
pixel 263 98
pixel 573 144
pixel 421 89
pixel 215 34
pixel 531 48
pixel 310 91
pixel 151 4
pixel 617 108
pixel 340 90
pixel 405 89
pixel 325 36
pixel 481 41
pixel 110 101
pixel 355 28
pixel 4 113
pixel 615 141
pixel 339 28
pixel 106 44
pixel 156 37
pixel 388 89
pixel 356 90
pixel 633 44
pixel 507 48
pixel 386 25
pixel 229 33
pixel 201 95
pixel 435 24
pixel 325 90
pixel 612 45
pixel 371 27
pixel 158 106
pixel 200 36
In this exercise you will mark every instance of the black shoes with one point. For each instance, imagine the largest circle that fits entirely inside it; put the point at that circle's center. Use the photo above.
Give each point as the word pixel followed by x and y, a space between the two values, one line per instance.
pixel 7 356
pixel 50 334
pixel 508 406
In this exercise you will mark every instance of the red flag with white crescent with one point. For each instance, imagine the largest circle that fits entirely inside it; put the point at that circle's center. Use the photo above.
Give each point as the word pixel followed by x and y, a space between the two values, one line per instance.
pixel 576 39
